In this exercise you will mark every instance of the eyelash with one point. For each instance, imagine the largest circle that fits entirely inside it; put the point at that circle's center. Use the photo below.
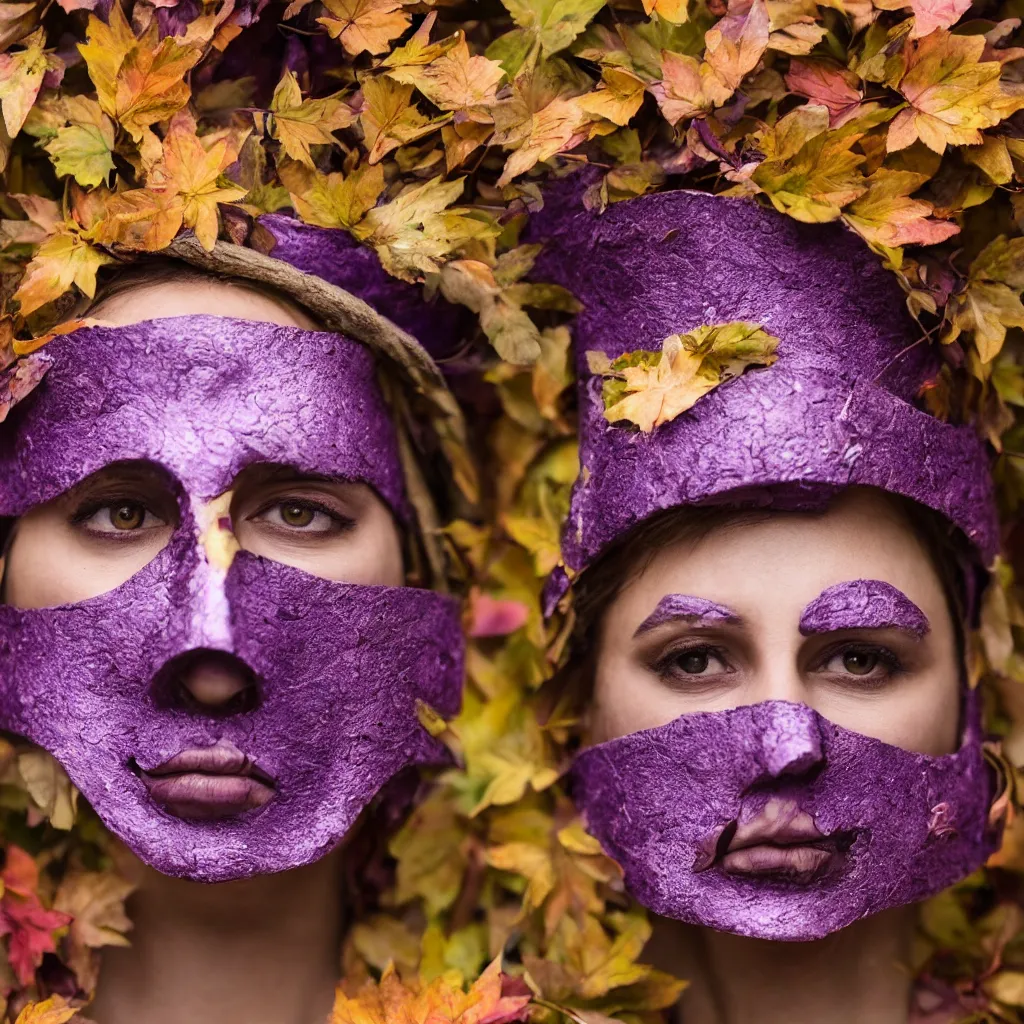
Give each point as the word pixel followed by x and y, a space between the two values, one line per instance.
pixel 342 523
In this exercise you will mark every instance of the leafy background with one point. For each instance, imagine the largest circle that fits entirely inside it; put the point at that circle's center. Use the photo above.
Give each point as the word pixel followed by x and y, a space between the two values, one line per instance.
pixel 426 131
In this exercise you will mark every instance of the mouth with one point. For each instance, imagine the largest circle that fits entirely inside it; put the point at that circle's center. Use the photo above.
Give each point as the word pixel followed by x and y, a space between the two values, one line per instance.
pixel 208 783
pixel 782 843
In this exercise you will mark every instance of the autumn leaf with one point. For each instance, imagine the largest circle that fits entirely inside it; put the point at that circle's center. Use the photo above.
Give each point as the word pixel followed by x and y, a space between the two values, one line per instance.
pixel 298 124
pixel 674 11
pixel 46 781
pixel 886 215
pixel 20 380
pixel 461 140
pixel 734 51
pixel 991 302
pixel 619 98
pixel 138 81
pixel 553 23
pixel 390 118
pixel 652 388
pixel 95 903
pixel 63 261
pixel 54 1010
pixel 951 94
pixel 21 78
pixel 823 83
pixel 930 15
pixel 456 81
pixel 83 147
pixel 333 200
pixel 365 26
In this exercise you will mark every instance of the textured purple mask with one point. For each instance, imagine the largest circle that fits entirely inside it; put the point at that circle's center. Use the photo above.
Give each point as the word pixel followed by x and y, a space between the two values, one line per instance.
pixel 836 409
pixel 339 669
pixel 882 826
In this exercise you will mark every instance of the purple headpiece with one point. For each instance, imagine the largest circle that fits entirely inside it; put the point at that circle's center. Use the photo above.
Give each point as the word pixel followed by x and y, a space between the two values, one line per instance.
pixel 836 409
pixel 339 668
pixel 882 826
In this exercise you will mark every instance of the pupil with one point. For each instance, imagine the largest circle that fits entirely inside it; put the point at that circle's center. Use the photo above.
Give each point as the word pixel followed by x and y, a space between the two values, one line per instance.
pixel 859 663
pixel 694 662
pixel 128 517
pixel 297 515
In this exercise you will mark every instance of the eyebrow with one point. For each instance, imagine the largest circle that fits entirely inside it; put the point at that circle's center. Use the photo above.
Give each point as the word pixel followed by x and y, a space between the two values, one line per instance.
pixel 673 607
pixel 863 604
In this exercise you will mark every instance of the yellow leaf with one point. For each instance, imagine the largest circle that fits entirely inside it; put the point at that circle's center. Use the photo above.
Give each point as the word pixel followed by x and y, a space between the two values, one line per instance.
pixel 49 786
pixel 456 81
pixel 674 11
pixel 390 118
pixel 21 77
pixel 299 124
pixel 1006 987
pixel 54 1010
pixel 333 200
pixel 951 94
pixel 886 215
pixel 365 25
pixel 619 98
pixel 652 388
pixel 462 139
pixel 732 56
pixel 64 260
pixel 553 23
pixel 83 147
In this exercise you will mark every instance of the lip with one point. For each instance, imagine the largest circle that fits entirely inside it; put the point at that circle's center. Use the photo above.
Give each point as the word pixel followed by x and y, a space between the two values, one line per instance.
pixel 209 783
pixel 782 842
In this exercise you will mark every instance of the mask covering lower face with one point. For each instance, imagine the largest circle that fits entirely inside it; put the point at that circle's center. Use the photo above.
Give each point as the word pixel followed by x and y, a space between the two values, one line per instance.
pixel 880 826
pixel 339 669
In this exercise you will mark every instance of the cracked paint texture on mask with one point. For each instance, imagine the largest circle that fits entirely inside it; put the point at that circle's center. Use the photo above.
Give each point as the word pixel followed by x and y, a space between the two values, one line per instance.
pixel 836 409
pixel 333 254
pixel 339 668
pixel 683 606
pixel 660 800
pixel 205 396
pixel 863 604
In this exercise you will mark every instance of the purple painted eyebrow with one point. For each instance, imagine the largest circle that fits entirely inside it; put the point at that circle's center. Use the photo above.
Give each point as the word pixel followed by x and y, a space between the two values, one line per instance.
pixel 863 604
pixel 682 606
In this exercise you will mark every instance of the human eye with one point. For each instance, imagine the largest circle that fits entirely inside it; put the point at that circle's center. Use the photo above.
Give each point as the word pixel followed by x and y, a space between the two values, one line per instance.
pixel 693 661
pixel 302 516
pixel 861 663
pixel 120 518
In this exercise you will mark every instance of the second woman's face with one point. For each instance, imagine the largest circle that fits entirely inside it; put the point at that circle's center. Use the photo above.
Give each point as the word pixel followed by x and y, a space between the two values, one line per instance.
pixel 843 612
pixel 96 536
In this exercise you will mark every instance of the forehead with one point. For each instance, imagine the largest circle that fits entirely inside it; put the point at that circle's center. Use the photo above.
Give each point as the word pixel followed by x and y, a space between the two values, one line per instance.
pixel 204 396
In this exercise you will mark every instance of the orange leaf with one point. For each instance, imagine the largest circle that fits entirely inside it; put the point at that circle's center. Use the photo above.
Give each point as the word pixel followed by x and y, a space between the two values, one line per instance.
pixel 64 260
pixel 365 25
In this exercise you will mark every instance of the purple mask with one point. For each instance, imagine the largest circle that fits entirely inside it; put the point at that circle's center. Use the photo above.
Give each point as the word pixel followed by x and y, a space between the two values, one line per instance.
pixel 691 811
pixel 339 669
pixel 836 409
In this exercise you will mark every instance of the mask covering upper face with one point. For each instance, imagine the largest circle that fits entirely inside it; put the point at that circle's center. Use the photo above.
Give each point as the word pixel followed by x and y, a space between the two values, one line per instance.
pixel 339 669
pixel 838 408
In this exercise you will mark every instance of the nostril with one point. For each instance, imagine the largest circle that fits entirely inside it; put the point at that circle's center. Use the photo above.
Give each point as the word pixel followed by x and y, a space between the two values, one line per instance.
pixel 209 682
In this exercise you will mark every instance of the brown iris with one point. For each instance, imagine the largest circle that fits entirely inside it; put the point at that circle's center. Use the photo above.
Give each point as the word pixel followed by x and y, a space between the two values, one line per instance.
pixel 127 516
pixel 297 515
pixel 860 663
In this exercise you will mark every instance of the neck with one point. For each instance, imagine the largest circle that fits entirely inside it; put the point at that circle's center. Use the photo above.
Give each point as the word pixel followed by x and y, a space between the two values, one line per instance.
pixel 855 975
pixel 264 950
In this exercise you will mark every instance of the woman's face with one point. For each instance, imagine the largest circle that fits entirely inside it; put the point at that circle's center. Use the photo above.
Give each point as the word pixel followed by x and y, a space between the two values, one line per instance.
pixel 99 534
pixel 715 623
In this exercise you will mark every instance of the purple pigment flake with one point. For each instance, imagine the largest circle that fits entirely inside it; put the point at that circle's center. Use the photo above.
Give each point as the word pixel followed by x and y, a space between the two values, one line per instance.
pixel 838 407
pixel 664 802
pixel 694 609
pixel 340 669
pixel 863 604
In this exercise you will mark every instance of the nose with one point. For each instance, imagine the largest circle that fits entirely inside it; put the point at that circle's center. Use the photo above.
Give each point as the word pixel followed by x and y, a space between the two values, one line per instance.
pixel 208 681
pixel 790 739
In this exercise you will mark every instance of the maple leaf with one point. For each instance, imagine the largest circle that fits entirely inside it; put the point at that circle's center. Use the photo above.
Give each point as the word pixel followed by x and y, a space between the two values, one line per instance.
pixel 28 926
pixel 184 188
pixel 456 81
pixel 461 139
pixel 418 50
pixel 333 200
pixel 54 1010
pixel 951 94
pixel 83 147
pixel 138 81
pixel 64 260
pixel 94 901
pixel 652 388
pixel 298 124
pixel 733 50
pixel 886 215
pixel 824 83
pixel 21 78
pixel 991 302
pixel 809 172
pixel 930 15
pixel 553 23
pixel 365 25
pixel 390 118
pixel 685 89
pixel 619 98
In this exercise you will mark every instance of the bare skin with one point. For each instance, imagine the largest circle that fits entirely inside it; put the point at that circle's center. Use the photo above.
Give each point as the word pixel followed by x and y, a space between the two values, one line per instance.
pixel 263 950
pixel 889 683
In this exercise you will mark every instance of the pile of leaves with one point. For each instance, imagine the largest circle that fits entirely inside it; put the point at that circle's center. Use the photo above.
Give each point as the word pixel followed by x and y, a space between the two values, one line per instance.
pixel 426 130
